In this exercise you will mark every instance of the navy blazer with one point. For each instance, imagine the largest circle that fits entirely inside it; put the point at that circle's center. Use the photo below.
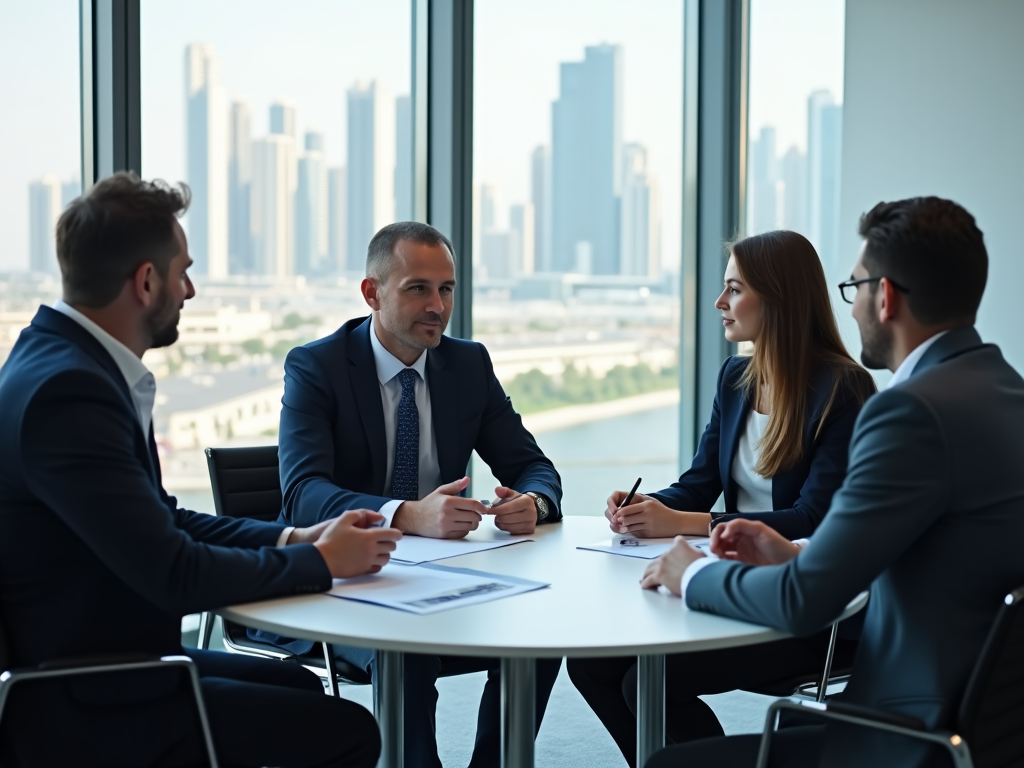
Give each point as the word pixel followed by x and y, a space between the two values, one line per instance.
pixel 95 557
pixel 332 446
pixel 800 495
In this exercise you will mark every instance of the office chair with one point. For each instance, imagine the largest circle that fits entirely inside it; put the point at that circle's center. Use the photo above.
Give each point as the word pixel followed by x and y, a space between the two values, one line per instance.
pixel 988 732
pixel 100 666
pixel 247 483
pixel 839 656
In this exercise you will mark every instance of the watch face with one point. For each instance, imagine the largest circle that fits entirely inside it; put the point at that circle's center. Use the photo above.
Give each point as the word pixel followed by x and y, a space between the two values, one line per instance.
pixel 542 506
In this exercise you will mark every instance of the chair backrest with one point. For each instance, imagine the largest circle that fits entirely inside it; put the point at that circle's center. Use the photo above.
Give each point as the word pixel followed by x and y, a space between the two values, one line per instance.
pixel 246 482
pixel 992 709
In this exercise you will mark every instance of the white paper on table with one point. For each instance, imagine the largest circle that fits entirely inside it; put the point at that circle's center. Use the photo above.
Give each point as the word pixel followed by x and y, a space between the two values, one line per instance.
pixel 645 549
pixel 430 588
pixel 415 550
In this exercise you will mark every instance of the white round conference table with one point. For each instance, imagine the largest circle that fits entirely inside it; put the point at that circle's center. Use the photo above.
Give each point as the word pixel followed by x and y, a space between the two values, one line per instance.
pixel 594 607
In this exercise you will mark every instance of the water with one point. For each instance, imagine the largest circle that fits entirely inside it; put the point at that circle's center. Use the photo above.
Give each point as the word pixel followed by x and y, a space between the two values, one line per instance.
pixel 592 459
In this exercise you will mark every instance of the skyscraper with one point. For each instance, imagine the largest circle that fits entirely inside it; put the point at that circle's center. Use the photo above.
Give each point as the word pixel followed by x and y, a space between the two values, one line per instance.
pixel 403 158
pixel 639 225
pixel 540 197
pixel 273 197
pixel 337 205
pixel 586 129
pixel 824 160
pixel 522 222
pixel 207 141
pixel 282 119
pixel 766 193
pixel 44 208
pixel 239 186
pixel 794 179
pixel 311 211
pixel 371 166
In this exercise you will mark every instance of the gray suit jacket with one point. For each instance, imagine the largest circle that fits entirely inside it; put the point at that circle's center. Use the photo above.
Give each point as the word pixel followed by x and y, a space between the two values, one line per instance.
pixel 931 517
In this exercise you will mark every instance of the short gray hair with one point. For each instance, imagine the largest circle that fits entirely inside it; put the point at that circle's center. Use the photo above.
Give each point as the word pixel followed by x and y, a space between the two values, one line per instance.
pixel 379 254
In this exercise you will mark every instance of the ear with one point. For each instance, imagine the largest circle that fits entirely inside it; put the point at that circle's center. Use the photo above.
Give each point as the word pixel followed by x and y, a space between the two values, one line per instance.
pixel 146 284
pixel 371 295
pixel 891 301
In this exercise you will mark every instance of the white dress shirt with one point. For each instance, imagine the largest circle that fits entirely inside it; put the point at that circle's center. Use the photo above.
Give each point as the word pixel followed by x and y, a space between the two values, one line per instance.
pixel 140 380
pixel 388 368
pixel 753 491
pixel 901 374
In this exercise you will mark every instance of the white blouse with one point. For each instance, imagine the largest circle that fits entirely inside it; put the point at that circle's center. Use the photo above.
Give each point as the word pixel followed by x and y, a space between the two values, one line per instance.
pixel 754 491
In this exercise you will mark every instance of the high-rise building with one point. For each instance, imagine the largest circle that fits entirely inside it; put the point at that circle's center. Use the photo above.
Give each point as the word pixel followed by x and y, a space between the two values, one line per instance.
pixel 273 199
pixel 639 224
pixel 44 208
pixel 499 249
pixel 403 158
pixel 239 186
pixel 207 141
pixel 766 194
pixel 312 235
pixel 371 167
pixel 336 212
pixel 540 197
pixel 794 180
pixel 282 120
pixel 586 132
pixel 523 222
pixel 824 162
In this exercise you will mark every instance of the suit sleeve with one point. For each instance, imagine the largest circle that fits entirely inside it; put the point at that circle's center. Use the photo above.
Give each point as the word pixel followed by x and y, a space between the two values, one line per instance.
pixel 700 486
pixel 222 531
pixel 897 486
pixel 826 474
pixel 77 448
pixel 511 451
pixel 306 446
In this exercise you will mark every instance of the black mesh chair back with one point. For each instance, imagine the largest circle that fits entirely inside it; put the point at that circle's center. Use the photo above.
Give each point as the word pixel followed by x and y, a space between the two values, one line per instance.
pixel 992 710
pixel 246 482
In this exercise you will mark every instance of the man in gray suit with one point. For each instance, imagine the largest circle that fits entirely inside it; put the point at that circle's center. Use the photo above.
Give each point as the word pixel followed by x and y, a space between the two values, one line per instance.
pixel 930 516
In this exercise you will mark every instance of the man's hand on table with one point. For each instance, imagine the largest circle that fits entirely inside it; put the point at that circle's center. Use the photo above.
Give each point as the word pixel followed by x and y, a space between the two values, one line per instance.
pixel 443 514
pixel 351 545
pixel 668 569
pixel 517 512
pixel 752 542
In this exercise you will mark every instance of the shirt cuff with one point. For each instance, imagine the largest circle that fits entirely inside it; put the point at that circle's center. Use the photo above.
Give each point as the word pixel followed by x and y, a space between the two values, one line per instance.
pixel 283 538
pixel 389 510
pixel 801 542
pixel 692 570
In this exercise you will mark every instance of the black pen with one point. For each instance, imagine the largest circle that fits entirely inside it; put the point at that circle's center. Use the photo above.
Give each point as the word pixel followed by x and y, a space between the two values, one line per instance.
pixel 629 497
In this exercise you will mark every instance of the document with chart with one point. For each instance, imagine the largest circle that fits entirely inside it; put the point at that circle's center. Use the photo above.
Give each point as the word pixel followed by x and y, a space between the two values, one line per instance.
pixel 628 545
pixel 430 588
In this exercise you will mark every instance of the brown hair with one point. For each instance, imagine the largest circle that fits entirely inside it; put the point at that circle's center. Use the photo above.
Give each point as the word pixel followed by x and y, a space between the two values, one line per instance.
pixel 112 230
pixel 798 339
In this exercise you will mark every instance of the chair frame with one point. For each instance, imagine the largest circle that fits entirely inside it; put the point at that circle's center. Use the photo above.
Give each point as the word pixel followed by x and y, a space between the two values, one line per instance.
pixel 77 667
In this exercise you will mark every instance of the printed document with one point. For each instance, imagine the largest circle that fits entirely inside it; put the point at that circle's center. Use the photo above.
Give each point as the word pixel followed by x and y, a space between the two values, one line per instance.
pixel 628 545
pixel 414 550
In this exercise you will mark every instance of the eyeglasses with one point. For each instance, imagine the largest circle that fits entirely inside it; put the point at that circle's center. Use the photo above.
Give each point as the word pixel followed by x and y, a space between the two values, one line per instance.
pixel 849 297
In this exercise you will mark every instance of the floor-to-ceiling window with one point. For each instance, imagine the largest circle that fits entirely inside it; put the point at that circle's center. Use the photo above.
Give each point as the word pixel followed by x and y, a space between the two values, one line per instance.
pixel 290 121
pixel 577 232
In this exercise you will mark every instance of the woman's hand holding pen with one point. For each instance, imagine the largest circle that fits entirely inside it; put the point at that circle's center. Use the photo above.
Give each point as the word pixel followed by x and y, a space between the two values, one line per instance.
pixel 648 518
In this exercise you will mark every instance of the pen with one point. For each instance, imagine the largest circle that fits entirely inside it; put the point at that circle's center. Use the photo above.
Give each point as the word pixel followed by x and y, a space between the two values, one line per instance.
pixel 629 498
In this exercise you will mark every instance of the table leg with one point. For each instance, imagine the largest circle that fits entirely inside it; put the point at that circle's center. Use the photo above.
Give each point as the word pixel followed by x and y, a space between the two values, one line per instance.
pixel 650 707
pixel 518 712
pixel 389 707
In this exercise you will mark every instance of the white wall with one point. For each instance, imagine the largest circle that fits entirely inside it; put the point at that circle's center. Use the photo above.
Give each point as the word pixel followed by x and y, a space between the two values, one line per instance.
pixel 935 105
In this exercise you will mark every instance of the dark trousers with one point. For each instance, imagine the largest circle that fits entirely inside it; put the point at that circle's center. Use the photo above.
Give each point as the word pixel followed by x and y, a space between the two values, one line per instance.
pixel 420 699
pixel 609 685
pixel 791 748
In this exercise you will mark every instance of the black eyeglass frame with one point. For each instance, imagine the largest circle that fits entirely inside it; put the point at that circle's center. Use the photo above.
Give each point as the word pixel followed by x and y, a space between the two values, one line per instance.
pixel 853 283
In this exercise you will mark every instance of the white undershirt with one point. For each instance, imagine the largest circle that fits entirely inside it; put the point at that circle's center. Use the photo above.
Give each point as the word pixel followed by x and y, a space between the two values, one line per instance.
pixel 754 492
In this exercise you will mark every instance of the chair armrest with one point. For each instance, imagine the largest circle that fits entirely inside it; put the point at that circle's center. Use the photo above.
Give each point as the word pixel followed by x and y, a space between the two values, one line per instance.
pixel 867 717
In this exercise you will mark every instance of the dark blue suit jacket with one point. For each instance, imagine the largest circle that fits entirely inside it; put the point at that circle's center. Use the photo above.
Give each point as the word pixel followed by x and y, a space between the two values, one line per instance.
pixel 801 495
pixel 95 557
pixel 333 449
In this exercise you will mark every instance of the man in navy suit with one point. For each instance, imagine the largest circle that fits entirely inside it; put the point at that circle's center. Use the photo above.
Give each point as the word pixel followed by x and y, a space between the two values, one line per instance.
pixel 384 414
pixel 97 560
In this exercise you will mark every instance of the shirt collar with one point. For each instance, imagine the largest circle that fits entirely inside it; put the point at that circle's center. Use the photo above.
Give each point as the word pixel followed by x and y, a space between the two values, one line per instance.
pixel 128 363
pixel 389 366
pixel 907 366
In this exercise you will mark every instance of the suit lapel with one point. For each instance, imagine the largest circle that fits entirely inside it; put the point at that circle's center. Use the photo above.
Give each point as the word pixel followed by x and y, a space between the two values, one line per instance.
pixel 444 416
pixel 366 389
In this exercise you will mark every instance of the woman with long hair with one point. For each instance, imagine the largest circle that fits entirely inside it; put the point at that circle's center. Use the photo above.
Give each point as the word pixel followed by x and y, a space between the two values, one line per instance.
pixel 776 446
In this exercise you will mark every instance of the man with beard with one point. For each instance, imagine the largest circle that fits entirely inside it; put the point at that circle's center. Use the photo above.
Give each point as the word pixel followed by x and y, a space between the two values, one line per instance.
pixel 96 560
pixel 384 414
pixel 930 516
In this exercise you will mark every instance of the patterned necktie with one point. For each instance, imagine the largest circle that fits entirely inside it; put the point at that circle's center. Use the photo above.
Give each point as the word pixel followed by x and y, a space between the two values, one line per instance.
pixel 405 480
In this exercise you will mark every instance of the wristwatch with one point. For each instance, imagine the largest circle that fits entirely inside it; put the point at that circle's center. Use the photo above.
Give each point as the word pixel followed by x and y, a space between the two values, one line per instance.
pixel 542 506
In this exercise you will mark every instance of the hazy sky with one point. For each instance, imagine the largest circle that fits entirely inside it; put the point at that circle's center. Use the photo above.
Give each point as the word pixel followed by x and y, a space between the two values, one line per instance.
pixel 311 51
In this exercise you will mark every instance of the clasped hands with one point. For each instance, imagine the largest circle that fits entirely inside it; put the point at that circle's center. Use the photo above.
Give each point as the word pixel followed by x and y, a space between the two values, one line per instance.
pixel 748 541
pixel 444 514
